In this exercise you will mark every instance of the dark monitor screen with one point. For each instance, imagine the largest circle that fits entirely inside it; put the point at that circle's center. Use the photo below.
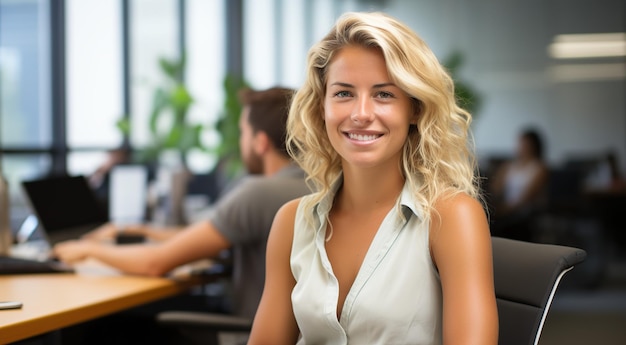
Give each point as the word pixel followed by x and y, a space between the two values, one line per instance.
pixel 64 202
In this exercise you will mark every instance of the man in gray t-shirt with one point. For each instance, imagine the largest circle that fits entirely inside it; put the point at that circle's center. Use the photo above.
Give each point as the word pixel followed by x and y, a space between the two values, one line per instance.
pixel 241 219
pixel 244 217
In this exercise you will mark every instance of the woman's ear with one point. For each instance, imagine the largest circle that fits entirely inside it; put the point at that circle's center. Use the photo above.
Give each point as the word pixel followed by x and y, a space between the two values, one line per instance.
pixel 416 111
pixel 414 118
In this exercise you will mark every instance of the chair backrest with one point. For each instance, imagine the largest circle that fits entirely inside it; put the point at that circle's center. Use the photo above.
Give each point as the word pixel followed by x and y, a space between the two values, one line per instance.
pixel 526 276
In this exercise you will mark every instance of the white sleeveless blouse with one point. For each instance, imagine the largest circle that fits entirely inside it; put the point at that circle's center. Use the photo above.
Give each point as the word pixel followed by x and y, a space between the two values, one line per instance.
pixel 396 296
pixel 518 179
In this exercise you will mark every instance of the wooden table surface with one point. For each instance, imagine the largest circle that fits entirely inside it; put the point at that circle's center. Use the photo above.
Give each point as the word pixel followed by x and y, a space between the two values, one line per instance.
pixel 53 301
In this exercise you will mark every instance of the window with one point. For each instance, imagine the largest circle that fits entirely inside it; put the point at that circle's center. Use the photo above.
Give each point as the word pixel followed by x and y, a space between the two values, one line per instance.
pixel 93 79
pixel 279 33
pixel 206 70
pixel 153 35
pixel 25 117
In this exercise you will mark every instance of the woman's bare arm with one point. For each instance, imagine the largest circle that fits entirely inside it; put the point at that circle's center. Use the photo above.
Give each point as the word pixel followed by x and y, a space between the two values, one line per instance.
pixel 461 248
pixel 274 323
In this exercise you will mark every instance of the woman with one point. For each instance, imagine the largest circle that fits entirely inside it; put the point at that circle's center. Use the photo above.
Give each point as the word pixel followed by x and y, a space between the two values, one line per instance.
pixel 394 247
pixel 519 189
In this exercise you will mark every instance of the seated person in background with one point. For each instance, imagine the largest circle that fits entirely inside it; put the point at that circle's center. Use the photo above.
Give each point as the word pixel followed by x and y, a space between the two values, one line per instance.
pixel 114 157
pixel 99 180
pixel 606 176
pixel 617 182
pixel 241 219
pixel 519 187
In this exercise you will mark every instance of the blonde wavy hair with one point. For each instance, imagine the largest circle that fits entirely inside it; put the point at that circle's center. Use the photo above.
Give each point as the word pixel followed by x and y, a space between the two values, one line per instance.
pixel 437 157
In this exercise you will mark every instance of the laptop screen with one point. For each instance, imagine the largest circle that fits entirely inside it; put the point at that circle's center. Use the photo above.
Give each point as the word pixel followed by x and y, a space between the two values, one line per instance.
pixel 63 203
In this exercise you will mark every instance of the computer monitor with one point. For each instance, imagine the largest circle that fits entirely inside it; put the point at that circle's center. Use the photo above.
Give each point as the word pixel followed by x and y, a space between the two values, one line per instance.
pixel 65 206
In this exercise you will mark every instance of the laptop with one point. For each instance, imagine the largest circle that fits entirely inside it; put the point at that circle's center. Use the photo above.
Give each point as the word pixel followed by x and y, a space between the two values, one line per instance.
pixel 18 265
pixel 65 206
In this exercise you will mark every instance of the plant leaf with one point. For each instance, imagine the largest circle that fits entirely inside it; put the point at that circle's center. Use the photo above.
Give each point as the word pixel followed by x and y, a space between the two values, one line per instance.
pixel 123 125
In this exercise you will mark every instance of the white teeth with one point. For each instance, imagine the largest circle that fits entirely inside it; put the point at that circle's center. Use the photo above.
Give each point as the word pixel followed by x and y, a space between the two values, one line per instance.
pixel 361 137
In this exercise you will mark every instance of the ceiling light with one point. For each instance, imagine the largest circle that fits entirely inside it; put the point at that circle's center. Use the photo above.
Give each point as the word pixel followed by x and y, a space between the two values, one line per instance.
pixel 588 45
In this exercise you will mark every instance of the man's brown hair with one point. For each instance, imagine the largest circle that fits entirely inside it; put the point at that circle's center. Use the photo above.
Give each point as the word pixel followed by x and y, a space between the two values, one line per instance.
pixel 268 112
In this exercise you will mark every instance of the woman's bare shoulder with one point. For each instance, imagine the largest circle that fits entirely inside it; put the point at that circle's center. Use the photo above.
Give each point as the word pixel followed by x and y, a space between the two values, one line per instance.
pixel 285 218
pixel 458 216
pixel 458 205
pixel 289 208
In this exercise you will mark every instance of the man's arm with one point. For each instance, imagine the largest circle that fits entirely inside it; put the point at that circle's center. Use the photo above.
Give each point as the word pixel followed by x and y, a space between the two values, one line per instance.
pixel 197 241
pixel 109 231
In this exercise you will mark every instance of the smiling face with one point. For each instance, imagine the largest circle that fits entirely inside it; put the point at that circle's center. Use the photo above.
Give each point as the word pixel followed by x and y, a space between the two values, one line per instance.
pixel 367 116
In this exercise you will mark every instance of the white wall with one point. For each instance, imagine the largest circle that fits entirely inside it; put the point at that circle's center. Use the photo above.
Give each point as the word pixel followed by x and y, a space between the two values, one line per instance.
pixel 505 47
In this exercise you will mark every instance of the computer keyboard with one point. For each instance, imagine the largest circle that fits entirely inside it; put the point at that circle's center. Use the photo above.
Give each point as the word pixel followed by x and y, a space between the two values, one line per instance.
pixel 14 265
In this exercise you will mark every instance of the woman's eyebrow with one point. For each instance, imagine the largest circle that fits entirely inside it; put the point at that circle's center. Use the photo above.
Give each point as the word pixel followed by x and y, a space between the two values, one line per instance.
pixel 376 86
pixel 341 84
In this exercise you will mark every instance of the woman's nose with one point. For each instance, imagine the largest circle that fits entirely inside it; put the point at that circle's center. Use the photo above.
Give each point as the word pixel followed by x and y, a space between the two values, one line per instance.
pixel 363 111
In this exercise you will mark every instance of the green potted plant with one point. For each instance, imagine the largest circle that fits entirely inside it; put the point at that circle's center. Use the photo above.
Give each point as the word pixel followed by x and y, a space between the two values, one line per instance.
pixel 169 127
pixel 228 125
pixel 467 97
pixel 170 132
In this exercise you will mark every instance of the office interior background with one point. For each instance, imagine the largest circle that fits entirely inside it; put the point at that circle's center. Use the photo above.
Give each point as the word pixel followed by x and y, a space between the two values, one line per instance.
pixel 70 69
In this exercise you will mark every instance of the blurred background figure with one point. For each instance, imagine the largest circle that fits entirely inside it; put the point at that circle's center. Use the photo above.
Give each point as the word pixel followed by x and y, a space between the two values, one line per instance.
pixel 518 188
pixel 617 182
pixel 604 189
pixel 99 179
pixel 606 176
pixel 114 157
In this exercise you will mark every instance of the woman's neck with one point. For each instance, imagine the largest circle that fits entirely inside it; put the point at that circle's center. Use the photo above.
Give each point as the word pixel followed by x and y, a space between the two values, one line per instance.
pixel 364 190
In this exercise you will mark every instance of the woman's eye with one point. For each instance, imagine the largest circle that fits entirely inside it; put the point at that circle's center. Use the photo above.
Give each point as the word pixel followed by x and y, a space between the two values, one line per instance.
pixel 384 94
pixel 342 94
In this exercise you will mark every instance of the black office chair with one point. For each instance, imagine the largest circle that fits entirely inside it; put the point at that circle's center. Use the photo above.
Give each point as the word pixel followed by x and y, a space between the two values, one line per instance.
pixel 193 327
pixel 206 328
pixel 526 277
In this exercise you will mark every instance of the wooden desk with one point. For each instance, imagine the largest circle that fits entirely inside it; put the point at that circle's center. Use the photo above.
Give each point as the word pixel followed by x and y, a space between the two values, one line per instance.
pixel 54 301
